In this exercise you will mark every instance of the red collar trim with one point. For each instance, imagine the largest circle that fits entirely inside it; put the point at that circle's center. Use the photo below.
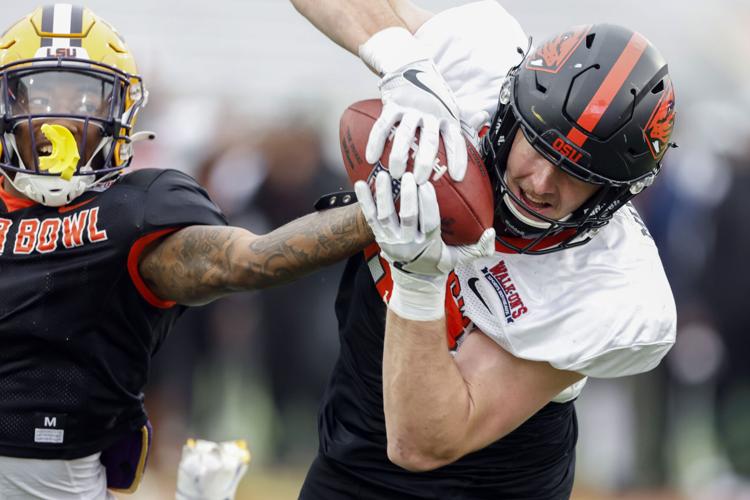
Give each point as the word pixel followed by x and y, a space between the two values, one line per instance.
pixel 13 202
pixel 545 243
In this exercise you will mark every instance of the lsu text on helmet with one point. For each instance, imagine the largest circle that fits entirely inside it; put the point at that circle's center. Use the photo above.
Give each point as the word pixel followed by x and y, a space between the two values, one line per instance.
pixel 596 101
pixel 64 65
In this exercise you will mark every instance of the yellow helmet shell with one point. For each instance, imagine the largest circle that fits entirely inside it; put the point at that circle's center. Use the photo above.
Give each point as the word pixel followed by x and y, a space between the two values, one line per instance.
pixel 59 30
pixel 64 31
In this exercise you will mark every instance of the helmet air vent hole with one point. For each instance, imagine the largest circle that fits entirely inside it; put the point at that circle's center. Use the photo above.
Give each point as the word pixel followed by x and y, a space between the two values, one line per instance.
pixel 658 88
pixel 590 40
pixel 541 88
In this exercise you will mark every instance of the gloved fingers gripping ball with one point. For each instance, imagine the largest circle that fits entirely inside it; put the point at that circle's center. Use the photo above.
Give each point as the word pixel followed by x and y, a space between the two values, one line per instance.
pixel 416 97
pixel 412 244
pixel 466 207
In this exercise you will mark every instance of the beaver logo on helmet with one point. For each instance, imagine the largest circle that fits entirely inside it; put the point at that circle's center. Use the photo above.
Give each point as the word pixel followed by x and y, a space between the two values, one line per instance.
pixel 551 56
pixel 659 126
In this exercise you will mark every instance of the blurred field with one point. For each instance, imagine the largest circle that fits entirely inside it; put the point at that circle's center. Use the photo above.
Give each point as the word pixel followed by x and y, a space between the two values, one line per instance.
pixel 284 484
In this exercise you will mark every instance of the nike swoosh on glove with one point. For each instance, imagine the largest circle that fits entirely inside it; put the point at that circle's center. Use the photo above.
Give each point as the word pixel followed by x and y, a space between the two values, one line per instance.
pixel 416 96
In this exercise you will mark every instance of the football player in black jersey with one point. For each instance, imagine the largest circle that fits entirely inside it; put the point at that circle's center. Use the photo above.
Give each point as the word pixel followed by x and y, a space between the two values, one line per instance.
pixel 463 386
pixel 97 264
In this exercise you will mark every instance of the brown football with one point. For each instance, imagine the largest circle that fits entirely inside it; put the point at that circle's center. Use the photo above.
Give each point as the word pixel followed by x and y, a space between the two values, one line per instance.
pixel 466 207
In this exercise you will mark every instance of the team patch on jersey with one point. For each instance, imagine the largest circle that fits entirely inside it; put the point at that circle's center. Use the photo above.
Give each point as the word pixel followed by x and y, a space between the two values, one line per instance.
pixel 499 277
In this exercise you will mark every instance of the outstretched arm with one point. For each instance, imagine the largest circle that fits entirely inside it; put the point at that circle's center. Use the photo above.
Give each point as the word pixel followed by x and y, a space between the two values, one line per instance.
pixel 198 264
pixel 351 23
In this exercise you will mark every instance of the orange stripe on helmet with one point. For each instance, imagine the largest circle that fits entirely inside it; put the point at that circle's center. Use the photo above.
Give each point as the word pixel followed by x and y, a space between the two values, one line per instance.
pixel 607 91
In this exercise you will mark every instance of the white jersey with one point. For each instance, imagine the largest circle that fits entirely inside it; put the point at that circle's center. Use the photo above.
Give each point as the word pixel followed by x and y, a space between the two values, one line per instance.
pixel 604 309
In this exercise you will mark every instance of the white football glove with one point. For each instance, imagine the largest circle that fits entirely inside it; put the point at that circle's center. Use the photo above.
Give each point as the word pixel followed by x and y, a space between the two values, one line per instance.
pixel 473 125
pixel 415 94
pixel 411 242
pixel 211 471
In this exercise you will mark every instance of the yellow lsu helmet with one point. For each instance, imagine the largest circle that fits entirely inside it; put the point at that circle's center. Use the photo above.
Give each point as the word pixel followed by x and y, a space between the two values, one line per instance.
pixel 62 62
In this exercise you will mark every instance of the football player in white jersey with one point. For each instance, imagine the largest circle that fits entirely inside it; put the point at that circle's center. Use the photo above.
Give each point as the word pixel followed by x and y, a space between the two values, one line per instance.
pixel 570 286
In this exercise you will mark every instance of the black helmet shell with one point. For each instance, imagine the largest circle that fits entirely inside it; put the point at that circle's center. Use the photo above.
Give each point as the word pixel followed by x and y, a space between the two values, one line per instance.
pixel 596 101
pixel 598 87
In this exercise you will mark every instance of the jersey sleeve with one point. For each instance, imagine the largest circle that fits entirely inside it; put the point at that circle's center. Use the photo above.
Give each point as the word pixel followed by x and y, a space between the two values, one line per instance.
pixel 604 309
pixel 602 331
pixel 618 320
pixel 174 199
pixel 620 339
pixel 474 46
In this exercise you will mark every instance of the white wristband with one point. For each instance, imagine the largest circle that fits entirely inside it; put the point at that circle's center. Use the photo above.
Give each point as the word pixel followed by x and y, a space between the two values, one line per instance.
pixel 392 48
pixel 417 299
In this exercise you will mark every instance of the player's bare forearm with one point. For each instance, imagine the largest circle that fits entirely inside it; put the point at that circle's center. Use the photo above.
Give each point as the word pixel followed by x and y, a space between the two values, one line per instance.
pixel 306 244
pixel 425 399
pixel 350 23
pixel 201 263
pixel 411 15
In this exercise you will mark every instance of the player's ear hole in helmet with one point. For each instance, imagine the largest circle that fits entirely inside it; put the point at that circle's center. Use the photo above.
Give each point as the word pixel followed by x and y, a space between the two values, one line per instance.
pixel 597 102
pixel 64 67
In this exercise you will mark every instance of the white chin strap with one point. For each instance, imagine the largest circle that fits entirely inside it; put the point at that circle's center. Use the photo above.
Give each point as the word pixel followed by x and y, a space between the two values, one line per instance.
pixel 518 214
pixel 53 191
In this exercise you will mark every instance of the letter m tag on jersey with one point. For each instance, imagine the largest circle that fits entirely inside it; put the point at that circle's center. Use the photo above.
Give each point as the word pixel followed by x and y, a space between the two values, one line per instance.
pixel 49 427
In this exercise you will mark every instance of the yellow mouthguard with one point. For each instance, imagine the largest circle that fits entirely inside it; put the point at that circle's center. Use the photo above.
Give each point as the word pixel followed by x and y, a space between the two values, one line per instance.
pixel 64 157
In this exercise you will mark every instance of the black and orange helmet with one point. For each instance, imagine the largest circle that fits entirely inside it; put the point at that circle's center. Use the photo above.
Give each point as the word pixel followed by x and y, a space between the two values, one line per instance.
pixel 596 101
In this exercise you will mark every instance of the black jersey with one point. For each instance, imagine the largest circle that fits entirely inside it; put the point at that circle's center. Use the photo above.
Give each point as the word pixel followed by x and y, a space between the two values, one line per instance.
pixel 536 461
pixel 77 324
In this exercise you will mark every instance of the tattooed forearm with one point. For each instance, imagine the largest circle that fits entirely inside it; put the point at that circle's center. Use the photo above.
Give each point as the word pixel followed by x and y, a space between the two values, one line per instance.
pixel 201 263
pixel 193 265
pixel 308 243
